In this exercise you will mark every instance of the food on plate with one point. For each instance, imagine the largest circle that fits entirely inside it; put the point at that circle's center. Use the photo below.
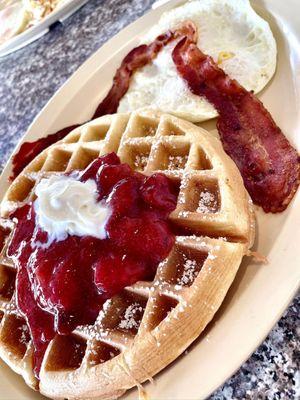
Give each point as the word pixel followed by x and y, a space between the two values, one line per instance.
pixel 39 9
pixel 121 237
pixel 174 222
pixel 228 30
pixel 18 15
pixel 268 163
pixel 135 59
pixel 270 168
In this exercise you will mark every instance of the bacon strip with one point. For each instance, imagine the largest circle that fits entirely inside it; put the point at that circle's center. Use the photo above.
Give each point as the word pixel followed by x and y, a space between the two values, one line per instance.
pixel 138 58
pixel 269 165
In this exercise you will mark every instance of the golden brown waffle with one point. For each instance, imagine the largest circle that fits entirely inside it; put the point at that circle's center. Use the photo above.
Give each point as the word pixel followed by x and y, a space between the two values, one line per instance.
pixel 149 324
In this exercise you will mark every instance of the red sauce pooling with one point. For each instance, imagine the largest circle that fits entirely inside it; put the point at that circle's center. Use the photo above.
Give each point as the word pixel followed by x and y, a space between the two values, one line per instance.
pixel 29 150
pixel 63 285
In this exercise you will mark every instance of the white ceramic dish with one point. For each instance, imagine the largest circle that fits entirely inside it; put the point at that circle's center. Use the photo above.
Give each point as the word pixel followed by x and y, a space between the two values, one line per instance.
pixel 35 32
pixel 260 293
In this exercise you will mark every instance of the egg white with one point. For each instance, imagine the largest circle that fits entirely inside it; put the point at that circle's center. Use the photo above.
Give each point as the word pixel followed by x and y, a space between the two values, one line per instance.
pixel 224 27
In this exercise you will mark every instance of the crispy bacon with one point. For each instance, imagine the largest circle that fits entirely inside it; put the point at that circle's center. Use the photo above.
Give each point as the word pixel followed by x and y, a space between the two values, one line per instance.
pixel 138 58
pixel 268 163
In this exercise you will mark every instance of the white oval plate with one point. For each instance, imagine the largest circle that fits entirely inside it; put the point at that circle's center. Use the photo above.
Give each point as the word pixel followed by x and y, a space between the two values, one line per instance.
pixel 260 293
pixel 40 29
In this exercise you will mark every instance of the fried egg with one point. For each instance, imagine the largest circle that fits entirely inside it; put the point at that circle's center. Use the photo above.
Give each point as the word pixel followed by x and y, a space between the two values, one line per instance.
pixel 230 31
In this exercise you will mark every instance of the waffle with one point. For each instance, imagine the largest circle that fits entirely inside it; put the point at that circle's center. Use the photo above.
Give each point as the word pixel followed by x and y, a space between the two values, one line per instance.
pixel 148 325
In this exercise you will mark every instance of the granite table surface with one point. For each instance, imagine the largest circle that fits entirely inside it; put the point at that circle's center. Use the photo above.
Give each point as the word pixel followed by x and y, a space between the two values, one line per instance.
pixel 29 77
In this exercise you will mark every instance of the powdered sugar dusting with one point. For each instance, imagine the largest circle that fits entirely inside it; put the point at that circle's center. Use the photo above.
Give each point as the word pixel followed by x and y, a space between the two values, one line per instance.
pixel 24 334
pixel 184 214
pixel 131 319
pixel 207 202
pixel 189 272
pixel 140 161
pixel 148 130
pixel 177 162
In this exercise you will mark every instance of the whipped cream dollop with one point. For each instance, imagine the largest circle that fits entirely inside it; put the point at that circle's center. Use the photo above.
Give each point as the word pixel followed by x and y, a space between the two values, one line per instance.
pixel 66 206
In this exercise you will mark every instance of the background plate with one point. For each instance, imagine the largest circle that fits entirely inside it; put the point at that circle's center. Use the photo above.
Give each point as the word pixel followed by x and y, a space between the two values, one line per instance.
pixel 35 32
pixel 260 293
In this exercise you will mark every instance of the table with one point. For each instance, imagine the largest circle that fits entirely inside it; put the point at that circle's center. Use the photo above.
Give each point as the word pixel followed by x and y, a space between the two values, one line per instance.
pixel 29 77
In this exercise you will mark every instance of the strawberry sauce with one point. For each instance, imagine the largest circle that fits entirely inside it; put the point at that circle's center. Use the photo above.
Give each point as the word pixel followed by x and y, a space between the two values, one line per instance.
pixel 64 284
pixel 29 150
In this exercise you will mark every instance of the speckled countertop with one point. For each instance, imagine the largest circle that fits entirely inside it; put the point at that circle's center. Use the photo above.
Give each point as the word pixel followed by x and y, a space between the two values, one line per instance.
pixel 31 76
